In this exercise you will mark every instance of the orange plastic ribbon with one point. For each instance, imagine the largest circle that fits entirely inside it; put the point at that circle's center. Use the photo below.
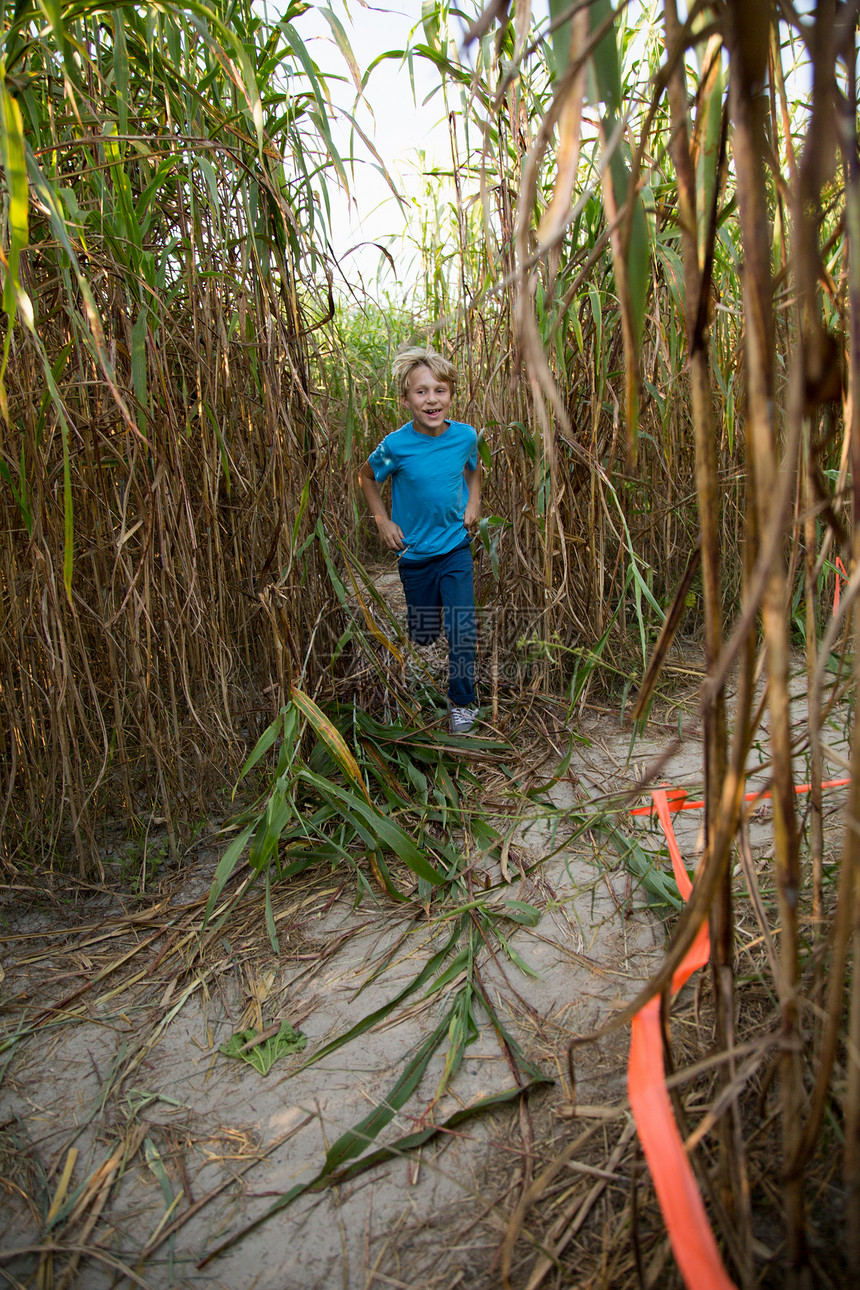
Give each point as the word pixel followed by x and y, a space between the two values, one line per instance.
pixel 687 1223
pixel 677 798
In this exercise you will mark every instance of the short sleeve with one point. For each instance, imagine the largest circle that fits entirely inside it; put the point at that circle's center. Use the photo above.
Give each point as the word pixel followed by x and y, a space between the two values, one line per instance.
pixel 382 461
pixel 472 461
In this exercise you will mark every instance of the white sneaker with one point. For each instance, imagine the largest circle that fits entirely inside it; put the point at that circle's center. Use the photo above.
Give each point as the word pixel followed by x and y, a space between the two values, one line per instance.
pixel 461 720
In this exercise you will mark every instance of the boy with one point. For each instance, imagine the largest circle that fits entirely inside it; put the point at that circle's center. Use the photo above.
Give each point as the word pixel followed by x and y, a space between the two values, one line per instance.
pixel 435 500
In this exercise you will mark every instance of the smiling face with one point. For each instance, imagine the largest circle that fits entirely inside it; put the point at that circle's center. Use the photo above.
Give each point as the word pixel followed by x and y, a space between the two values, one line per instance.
pixel 429 400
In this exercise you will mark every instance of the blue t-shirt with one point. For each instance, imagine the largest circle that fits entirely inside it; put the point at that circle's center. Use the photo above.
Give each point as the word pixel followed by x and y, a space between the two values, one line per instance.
pixel 428 490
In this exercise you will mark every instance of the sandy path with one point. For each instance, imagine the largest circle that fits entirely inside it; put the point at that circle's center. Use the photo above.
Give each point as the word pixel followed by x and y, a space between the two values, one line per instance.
pixel 131 1064
pixel 130 1078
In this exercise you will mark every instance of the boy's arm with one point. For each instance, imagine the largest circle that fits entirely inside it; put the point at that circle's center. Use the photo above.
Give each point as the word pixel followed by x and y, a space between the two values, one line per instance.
pixel 473 502
pixel 390 533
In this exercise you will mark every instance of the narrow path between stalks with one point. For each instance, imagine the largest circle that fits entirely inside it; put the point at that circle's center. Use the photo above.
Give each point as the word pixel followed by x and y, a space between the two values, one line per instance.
pixel 151 1150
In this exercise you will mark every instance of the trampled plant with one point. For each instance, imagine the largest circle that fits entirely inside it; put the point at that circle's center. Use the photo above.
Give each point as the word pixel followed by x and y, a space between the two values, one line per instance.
pixel 308 816
pixel 348 790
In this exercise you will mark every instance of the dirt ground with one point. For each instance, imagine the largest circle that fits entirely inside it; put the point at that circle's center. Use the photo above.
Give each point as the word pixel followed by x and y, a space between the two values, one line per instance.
pixel 132 1149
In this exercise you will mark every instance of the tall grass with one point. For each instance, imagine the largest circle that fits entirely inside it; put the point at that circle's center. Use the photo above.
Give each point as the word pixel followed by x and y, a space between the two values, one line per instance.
pixel 651 278
pixel 646 264
pixel 163 455
pixel 544 355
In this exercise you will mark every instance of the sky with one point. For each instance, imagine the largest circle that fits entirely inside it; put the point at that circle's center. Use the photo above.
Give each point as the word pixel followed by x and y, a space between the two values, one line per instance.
pixel 399 125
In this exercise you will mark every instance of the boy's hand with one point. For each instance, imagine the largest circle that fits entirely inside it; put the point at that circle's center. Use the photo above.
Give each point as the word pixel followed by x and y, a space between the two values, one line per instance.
pixel 391 534
pixel 472 514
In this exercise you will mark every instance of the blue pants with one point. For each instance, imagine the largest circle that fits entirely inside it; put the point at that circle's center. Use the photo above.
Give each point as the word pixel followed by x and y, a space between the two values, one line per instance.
pixel 443 584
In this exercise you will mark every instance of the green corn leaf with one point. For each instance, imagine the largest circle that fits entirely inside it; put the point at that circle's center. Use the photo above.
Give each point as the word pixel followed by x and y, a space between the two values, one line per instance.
pixel 634 267
pixel 334 577
pixel 156 1164
pixel 342 42
pixel 394 1151
pixel 120 69
pixel 418 780
pixel 225 867
pixel 447 785
pixel 19 490
pixel 517 911
pixel 355 1140
pixel 418 1139
pixel 222 448
pixel 432 23
pixel 331 737
pixel 431 967
pixel 302 507
pixel 462 1031
pixel 659 885
pixel 13 156
pixel 605 59
pixel 264 844
pixel 709 127
pixel 516 958
pixel 321 118
pixel 458 965
pixel 153 189
pixel 383 829
pixel 262 746
pixel 560 38
pixel 381 869
pixel 484 833
pixel 208 172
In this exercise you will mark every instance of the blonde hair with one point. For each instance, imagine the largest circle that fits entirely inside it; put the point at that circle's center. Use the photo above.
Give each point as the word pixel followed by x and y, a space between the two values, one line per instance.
pixel 406 361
